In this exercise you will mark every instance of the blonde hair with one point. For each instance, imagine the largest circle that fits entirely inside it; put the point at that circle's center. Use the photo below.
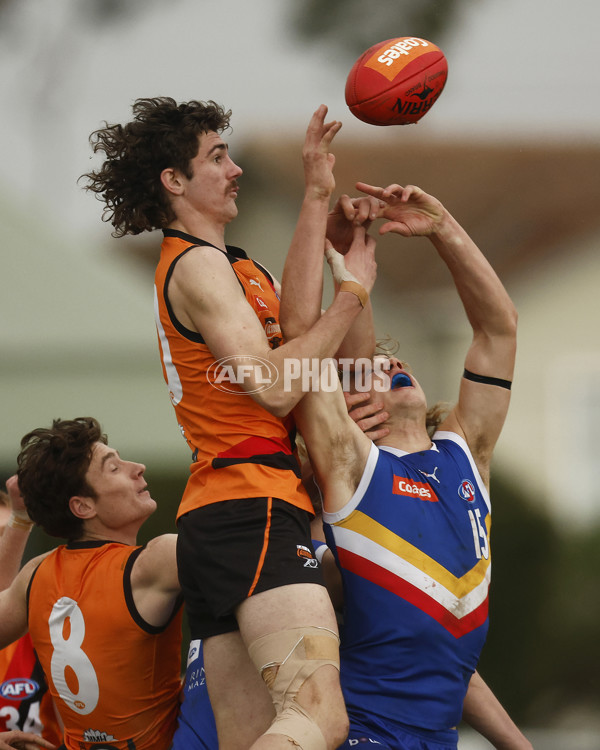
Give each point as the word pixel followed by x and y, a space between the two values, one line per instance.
pixel 436 415
pixel 387 346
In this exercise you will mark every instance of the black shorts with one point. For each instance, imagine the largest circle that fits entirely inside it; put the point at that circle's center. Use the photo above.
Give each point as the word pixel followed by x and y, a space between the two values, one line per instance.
pixel 229 550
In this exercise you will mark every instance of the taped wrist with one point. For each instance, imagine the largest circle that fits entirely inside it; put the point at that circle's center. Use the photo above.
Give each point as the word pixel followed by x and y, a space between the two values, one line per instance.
pixel 345 278
pixel 20 520
pixel 357 289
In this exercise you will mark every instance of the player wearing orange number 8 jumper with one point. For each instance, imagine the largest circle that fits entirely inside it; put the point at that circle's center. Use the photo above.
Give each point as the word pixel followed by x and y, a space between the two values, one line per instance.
pixel 252 588
pixel 104 614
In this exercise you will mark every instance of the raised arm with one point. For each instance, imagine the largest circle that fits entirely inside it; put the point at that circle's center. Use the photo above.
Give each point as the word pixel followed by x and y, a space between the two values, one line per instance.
pixel 16 533
pixel 337 447
pixel 13 604
pixel 303 277
pixel 485 391
pixel 210 296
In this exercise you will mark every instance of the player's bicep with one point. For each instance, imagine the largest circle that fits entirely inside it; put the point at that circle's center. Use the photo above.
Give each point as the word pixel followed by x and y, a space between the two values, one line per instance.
pixel 156 565
pixel 206 297
pixel 479 416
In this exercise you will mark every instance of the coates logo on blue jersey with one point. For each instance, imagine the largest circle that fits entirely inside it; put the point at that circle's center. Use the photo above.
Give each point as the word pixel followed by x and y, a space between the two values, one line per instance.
pixel 466 490
pixel 18 689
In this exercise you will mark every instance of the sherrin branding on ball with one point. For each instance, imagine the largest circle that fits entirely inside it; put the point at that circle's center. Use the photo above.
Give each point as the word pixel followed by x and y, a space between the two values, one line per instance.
pixel 396 82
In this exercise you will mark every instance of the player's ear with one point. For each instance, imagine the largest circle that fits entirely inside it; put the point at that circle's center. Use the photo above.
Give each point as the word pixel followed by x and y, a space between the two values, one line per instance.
pixel 171 181
pixel 82 507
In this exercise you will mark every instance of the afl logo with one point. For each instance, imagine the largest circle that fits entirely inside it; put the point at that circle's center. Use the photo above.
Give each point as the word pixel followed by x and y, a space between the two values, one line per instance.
pixel 466 490
pixel 230 373
pixel 18 689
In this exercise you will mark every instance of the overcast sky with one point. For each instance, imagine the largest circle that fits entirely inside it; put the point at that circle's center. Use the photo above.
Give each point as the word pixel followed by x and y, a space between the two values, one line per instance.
pixel 517 68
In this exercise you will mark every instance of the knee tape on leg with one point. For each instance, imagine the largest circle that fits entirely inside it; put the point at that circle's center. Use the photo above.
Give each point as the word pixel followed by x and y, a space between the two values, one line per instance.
pixel 285 661
pixel 298 725
pixel 287 658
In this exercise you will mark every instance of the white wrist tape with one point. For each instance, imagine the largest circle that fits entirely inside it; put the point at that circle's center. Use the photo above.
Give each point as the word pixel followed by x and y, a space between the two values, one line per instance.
pixel 338 267
pixel 20 520
pixel 347 280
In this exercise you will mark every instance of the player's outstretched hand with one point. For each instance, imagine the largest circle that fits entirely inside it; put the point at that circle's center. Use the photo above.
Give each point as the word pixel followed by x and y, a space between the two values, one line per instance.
pixel 15 740
pixel 369 417
pixel 348 213
pixel 359 262
pixel 317 159
pixel 408 211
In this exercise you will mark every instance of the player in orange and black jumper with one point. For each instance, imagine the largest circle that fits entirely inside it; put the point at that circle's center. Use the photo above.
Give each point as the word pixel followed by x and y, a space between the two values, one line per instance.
pixel 244 520
pixel 103 613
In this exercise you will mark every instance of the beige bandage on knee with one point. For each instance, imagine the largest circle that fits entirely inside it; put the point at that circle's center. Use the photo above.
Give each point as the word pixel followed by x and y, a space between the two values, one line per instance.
pixel 299 727
pixel 285 661
pixel 347 280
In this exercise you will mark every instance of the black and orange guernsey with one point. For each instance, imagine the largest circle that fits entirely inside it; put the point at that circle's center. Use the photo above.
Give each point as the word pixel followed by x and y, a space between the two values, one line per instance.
pixel 114 677
pixel 239 449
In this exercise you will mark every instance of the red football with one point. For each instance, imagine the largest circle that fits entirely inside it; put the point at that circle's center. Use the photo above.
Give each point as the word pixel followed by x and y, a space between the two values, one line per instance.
pixel 396 82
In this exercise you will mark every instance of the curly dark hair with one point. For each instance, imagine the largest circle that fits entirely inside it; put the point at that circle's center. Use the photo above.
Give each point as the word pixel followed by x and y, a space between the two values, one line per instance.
pixel 52 466
pixel 162 134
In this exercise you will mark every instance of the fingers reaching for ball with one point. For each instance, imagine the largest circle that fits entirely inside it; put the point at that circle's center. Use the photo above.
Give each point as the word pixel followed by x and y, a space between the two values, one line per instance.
pixel 408 211
pixel 317 158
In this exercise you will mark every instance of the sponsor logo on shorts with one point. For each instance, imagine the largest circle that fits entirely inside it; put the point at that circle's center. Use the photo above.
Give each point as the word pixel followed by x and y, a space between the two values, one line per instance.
pixel 466 490
pixel 18 688
pixel 306 554
pixel 194 651
pixel 411 488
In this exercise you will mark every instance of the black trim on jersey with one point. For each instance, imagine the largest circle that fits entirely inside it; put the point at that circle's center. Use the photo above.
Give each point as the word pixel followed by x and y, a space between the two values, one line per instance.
pixel 28 592
pixel 127 591
pixel 233 254
pixel 179 327
pixel 487 380
pixel 70 545
pixel 90 544
pixel 266 273
pixel 236 252
pixel 278 460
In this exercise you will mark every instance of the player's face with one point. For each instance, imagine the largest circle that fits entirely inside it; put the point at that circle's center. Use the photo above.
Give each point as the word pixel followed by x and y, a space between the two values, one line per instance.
pixel 395 386
pixel 212 190
pixel 122 494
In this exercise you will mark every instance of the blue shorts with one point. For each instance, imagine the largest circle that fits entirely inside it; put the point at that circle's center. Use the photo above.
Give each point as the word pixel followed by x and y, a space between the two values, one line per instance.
pixel 408 738
pixel 196 723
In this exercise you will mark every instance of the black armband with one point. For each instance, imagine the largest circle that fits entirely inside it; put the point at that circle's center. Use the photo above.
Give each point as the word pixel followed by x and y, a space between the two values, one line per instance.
pixel 487 380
